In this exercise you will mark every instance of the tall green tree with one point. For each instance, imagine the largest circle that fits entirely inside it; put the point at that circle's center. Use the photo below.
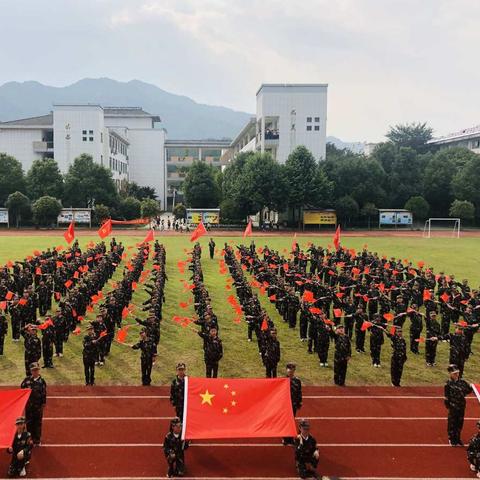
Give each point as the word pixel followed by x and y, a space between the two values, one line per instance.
pixel 200 187
pixel 347 209
pixel 418 206
pixel 12 178
pixel 439 173
pixel 412 135
pixel 150 208
pixel 46 210
pixel 19 207
pixel 87 181
pixel 44 178
pixel 132 189
pixel 130 208
pixel 466 182
pixel 462 209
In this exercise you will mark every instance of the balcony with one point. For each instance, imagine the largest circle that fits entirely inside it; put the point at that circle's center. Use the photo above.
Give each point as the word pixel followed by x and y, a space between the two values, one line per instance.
pixel 42 147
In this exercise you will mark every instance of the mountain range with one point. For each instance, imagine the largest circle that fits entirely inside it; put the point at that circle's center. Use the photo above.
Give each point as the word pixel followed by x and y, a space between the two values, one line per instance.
pixel 181 116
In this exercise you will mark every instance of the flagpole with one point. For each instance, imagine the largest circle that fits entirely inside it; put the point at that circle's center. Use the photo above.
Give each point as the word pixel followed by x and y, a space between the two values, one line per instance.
pixel 185 409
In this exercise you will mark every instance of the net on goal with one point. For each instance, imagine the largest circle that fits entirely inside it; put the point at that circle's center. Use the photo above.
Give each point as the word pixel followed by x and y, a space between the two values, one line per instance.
pixel 433 225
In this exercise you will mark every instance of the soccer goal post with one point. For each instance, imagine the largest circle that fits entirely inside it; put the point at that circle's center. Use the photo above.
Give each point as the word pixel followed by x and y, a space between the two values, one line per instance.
pixel 449 224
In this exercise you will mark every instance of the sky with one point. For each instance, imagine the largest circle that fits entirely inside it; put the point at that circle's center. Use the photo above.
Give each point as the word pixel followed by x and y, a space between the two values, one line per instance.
pixel 386 61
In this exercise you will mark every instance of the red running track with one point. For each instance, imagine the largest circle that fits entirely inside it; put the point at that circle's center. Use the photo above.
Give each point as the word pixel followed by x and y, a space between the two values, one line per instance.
pixel 368 433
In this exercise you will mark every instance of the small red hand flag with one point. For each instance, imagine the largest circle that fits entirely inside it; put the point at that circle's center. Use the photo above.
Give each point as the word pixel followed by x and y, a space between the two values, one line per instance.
pixel 336 238
pixel 248 229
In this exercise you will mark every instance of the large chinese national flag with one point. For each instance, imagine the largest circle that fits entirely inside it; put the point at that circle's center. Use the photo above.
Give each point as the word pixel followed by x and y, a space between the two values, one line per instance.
pixel 12 405
pixel 237 408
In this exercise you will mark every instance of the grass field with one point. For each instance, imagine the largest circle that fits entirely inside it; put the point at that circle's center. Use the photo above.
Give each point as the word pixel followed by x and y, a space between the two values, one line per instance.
pixel 454 256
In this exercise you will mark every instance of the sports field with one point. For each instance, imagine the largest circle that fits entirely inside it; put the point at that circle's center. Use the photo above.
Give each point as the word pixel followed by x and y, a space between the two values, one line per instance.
pixel 241 359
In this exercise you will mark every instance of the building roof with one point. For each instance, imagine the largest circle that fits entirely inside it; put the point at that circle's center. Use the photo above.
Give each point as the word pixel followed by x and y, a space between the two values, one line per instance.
pixel 292 85
pixel 42 120
pixel 129 112
pixel 251 123
pixel 213 143
pixel 471 132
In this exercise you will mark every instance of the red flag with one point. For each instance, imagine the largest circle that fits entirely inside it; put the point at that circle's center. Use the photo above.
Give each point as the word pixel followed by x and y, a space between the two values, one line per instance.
pixel 308 296
pixel 264 326
pixel 427 295
pixel 445 297
pixel 12 405
pixel 198 232
pixel 22 301
pixel 77 331
pixel 315 310
pixel 149 237
pixel 222 408
pixel 125 312
pixel 68 283
pixel 3 305
pixel 69 235
pixel 273 298
pixel 294 243
pixel 122 334
pixel 248 229
pixel 337 312
pixel 388 317
pixel 102 334
pixel 366 326
pixel 46 324
pixel 336 238
pixel 106 229
pixel 8 295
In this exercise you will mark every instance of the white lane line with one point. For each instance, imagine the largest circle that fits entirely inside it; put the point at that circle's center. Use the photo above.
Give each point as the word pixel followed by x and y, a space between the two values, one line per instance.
pixel 86 419
pixel 246 445
pixel 96 397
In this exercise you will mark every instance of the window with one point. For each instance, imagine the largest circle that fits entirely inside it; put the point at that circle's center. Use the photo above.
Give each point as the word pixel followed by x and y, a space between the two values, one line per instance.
pixel 317 128
pixel 91 139
pixel 309 119
pixel 101 160
pixel 84 132
pixel 84 139
pixel 101 137
pixel 110 163
pixel 309 128
pixel 90 132
pixel 317 119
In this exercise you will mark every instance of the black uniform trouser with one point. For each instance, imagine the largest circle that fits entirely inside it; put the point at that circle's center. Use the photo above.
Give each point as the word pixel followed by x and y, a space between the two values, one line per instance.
pixel 349 327
pixel 251 329
pixel 2 341
pixel 445 324
pixel 47 350
pixel 59 342
pixel 375 351
pixel 303 327
pixel 430 351
pixel 359 339
pixel 414 336
pixel 312 343
pixel 469 337
pixel 212 253
pixel 16 465
pixel 89 368
pixel 396 370
pixel 322 349
pixel 271 370
pixel 339 371
pixel 179 411
pixel 455 424
pixel 211 369
pixel 34 417
pixel 176 466
pixel 15 329
pixel 307 468
pixel 292 319
pixel 146 363
pixel 43 309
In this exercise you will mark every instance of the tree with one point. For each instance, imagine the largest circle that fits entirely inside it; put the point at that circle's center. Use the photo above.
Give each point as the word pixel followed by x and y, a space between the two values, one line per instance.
pixel 12 178
pixel 46 210
pixel 307 186
pixel 44 178
pixel 418 206
pixel 466 182
pixel 87 182
pixel 101 212
pixel 347 209
pixel 369 210
pixel 132 189
pixel 413 135
pixel 200 188
pixel 462 209
pixel 19 206
pixel 439 173
pixel 179 211
pixel 130 208
pixel 149 208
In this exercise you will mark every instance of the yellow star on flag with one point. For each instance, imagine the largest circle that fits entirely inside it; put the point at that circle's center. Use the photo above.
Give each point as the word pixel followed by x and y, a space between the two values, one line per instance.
pixel 225 410
pixel 233 403
pixel 207 397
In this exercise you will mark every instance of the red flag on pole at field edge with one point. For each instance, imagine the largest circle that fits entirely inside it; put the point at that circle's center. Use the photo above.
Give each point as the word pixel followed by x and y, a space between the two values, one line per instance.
pixel 69 234
pixel 222 408
pixel 198 232
pixel 294 242
pixel 248 229
pixel 336 238
pixel 106 229
pixel 149 237
pixel 12 405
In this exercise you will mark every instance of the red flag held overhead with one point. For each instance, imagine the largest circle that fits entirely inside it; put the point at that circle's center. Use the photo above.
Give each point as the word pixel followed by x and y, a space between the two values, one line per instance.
pixel 336 238
pixel 248 229
pixel 149 237
pixel 106 229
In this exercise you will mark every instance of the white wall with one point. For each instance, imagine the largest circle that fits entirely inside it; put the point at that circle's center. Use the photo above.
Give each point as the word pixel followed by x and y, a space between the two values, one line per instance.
pixel 19 144
pixel 307 101
pixel 146 159
pixel 129 122
pixel 80 118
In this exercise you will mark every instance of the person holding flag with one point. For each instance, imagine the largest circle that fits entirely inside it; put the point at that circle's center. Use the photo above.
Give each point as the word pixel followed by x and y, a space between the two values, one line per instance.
pixel 147 347
pixel 20 450
pixel 306 452
pixel 174 447
pixel 473 452
pixel 456 389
